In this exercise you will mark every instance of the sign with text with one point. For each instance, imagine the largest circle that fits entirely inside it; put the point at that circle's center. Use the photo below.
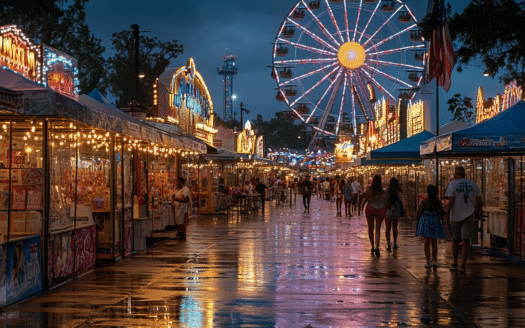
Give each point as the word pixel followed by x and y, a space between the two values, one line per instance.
pixel 18 53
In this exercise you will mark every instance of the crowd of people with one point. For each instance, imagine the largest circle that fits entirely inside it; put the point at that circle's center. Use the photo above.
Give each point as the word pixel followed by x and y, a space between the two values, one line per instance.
pixel 456 220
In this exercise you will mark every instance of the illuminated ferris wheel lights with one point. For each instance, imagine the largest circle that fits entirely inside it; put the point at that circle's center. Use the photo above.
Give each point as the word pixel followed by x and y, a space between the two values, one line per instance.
pixel 351 55
pixel 335 65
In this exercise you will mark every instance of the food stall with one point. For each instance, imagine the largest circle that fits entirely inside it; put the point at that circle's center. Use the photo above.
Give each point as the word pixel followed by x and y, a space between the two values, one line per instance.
pixel 492 154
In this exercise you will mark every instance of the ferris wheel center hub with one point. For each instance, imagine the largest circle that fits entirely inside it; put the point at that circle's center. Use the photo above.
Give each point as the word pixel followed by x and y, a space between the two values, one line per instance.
pixel 351 55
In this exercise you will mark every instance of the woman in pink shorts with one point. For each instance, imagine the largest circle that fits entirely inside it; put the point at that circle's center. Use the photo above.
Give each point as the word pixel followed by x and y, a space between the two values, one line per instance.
pixel 375 211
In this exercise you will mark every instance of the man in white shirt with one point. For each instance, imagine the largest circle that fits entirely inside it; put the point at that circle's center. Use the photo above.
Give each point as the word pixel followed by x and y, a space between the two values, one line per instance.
pixel 463 210
pixel 181 200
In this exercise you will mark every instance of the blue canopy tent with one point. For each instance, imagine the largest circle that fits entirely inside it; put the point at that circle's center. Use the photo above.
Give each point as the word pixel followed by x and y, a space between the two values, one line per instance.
pixel 403 150
pixel 502 134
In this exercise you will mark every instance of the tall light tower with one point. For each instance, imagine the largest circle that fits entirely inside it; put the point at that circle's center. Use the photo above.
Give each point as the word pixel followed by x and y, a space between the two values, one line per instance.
pixel 228 70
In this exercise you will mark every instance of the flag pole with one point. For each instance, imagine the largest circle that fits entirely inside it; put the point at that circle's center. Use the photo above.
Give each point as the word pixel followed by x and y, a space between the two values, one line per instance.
pixel 437 136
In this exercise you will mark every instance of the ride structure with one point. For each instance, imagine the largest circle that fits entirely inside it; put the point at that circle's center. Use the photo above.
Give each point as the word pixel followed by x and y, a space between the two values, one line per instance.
pixel 228 70
pixel 333 60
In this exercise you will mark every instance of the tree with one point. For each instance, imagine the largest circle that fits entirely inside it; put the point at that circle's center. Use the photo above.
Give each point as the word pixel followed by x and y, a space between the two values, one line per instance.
pixel 491 31
pixel 155 56
pixel 461 108
pixel 61 25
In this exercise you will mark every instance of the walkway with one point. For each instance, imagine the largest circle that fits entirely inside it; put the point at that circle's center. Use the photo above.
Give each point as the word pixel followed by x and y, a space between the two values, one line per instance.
pixel 283 269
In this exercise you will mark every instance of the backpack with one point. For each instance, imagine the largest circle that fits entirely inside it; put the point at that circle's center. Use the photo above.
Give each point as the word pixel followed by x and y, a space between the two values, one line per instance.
pixel 306 189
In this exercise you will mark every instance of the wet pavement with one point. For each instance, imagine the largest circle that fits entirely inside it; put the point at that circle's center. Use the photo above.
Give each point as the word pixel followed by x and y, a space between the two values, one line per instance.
pixel 284 269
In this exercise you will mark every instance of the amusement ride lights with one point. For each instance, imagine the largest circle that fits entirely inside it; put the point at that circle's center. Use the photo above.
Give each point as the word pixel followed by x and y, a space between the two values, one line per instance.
pixel 330 55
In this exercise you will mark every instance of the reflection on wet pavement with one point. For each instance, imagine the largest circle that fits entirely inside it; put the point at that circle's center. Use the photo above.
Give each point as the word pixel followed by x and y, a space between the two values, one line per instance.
pixel 283 269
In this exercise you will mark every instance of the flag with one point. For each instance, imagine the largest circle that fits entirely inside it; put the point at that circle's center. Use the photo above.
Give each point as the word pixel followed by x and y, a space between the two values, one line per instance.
pixel 441 51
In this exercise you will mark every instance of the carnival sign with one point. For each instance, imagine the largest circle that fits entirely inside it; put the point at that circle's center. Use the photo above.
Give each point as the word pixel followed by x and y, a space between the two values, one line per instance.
pixel 487 143
pixel 18 53
pixel 60 71
pixel 344 152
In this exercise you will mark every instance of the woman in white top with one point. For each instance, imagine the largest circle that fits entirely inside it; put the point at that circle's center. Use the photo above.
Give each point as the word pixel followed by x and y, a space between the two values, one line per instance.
pixel 375 211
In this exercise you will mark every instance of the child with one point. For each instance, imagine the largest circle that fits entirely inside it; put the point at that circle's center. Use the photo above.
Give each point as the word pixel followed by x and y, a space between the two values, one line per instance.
pixel 429 225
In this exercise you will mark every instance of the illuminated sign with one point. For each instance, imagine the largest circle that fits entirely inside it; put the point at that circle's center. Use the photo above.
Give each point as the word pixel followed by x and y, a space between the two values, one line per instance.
pixel 416 118
pixel 18 53
pixel 491 107
pixel 246 140
pixel 60 71
pixel 259 148
pixel 344 152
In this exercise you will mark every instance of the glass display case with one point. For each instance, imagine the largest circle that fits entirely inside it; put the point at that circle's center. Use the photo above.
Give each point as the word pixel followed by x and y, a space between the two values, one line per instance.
pixel 21 208
pixel 162 175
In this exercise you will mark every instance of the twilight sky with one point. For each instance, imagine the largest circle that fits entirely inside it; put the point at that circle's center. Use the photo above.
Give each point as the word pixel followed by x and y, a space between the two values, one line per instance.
pixel 246 28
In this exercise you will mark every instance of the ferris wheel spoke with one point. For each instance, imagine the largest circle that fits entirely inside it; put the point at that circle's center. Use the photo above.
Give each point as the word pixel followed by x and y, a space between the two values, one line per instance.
pixel 305 61
pixel 346 21
pixel 388 76
pixel 309 74
pixel 331 13
pixel 342 106
pixel 365 101
pixel 368 23
pixel 358 18
pixel 391 37
pixel 378 85
pixel 381 27
pixel 396 50
pixel 364 97
pixel 314 87
pixel 387 63
pixel 321 25
pixel 311 34
pixel 331 100
pixel 354 121
pixel 321 100
pixel 308 48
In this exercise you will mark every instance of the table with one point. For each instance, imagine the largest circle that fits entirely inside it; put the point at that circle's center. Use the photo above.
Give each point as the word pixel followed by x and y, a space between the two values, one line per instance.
pixel 248 202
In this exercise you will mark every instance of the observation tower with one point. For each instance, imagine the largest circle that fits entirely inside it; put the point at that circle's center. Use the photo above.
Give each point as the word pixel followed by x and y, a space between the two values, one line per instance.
pixel 228 70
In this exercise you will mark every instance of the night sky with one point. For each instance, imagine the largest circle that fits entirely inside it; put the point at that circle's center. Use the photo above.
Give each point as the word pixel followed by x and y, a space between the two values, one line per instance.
pixel 209 29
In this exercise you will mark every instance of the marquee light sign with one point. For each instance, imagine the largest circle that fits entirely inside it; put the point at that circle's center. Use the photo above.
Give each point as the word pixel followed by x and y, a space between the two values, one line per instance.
pixel 18 53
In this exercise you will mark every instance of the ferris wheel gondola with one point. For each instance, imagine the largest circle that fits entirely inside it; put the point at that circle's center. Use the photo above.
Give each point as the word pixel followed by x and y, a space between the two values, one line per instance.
pixel 340 54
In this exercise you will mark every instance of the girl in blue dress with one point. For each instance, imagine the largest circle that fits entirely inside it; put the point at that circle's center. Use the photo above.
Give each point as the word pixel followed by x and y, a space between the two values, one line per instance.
pixel 429 225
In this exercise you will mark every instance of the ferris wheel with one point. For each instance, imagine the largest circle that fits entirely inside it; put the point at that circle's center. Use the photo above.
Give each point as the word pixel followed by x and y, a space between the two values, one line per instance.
pixel 333 59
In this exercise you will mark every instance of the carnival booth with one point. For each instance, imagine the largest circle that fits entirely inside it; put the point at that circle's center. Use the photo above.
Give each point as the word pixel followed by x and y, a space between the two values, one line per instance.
pixel 492 153
pixel 67 164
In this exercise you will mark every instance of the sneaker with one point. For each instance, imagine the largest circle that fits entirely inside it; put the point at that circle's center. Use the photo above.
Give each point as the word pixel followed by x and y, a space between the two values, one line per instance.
pixel 377 252
pixel 395 246
pixel 434 264
pixel 428 265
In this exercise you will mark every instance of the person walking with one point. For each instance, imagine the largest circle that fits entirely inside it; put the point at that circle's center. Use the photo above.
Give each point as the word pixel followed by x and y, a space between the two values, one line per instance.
pixel 181 201
pixel 348 196
pixel 326 189
pixel 375 211
pixel 306 190
pixel 465 203
pixel 338 191
pixel 429 225
pixel 260 188
pixel 356 189
pixel 395 210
